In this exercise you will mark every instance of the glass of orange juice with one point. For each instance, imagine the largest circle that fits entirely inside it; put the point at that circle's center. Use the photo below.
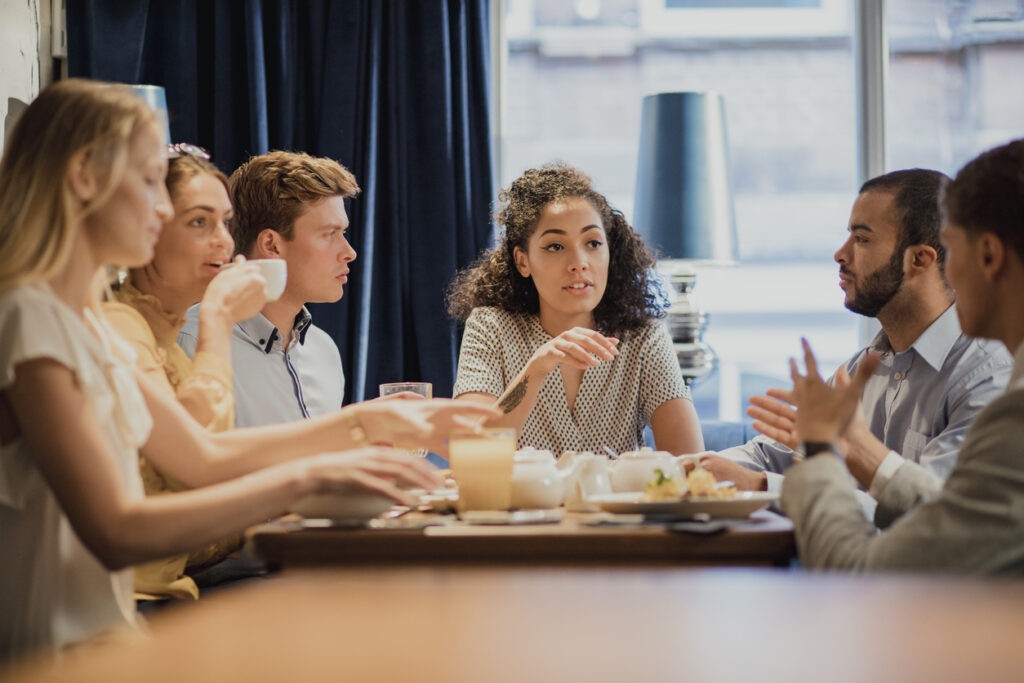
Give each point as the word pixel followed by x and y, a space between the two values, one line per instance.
pixel 481 463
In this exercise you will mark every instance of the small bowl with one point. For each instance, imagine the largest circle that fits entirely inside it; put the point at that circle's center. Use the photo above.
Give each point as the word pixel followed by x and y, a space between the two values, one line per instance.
pixel 348 507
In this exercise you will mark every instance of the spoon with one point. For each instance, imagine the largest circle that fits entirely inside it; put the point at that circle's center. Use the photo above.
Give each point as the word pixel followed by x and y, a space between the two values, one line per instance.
pixel 611 453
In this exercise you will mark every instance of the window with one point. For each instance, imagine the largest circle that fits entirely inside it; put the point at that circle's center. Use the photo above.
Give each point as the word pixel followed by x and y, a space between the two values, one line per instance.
pixel 953 72
pixel 576 73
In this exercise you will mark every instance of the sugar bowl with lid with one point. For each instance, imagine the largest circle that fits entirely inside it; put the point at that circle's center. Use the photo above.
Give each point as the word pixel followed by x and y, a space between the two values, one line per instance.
pixel 634 469
pixel 536 482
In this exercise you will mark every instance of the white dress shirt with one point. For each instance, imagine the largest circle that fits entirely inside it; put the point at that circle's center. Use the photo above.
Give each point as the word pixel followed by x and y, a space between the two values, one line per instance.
pixel 278 380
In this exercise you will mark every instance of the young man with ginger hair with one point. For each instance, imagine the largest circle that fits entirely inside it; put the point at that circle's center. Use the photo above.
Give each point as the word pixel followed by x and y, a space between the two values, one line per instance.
pixel 289 206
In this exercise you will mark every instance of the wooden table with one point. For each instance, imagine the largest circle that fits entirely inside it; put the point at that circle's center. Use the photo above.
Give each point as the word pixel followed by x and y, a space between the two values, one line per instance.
pixel 459 623
pixel 766 539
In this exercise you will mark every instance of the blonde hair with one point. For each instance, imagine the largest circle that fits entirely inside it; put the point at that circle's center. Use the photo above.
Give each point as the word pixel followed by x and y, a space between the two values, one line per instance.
pixel 273 190
pixel 40 214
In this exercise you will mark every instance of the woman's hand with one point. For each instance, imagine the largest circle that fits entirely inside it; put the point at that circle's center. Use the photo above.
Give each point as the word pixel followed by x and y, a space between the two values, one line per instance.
pixel 383 470
pixel 236 293
pixel 422 423
pixel 579 348
pixel 823 412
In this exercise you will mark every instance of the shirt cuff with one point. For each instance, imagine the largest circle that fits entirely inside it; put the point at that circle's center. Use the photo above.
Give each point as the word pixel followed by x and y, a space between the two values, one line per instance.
pixel 774 482
pixel 885 472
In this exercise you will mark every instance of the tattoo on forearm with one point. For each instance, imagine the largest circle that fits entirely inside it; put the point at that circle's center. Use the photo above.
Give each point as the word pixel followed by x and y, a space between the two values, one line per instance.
pixel 513 398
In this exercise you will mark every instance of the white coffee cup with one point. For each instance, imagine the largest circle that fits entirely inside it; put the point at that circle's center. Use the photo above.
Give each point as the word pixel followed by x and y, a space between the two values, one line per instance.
pixel 274 271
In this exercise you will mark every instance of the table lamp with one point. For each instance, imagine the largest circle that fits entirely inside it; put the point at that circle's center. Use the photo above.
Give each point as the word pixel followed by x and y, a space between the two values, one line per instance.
pixel 684 208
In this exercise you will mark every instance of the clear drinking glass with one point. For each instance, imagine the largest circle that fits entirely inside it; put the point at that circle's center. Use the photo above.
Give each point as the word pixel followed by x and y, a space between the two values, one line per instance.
pixel 481 463
pixel 424 389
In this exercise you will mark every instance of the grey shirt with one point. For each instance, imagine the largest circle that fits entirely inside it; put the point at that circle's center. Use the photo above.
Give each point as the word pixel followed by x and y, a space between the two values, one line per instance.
pixel 973 524
pixel 278 380
pixel 919 403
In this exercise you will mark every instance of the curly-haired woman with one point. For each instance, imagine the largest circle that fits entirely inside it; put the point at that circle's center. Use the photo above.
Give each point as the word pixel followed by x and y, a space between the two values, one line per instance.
pixel 562 327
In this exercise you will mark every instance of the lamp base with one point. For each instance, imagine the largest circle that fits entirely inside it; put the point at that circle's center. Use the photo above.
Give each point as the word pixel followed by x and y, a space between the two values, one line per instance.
pixel 686 324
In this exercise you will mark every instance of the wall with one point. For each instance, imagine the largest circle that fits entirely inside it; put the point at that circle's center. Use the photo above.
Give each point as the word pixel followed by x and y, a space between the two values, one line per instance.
pixel 25 61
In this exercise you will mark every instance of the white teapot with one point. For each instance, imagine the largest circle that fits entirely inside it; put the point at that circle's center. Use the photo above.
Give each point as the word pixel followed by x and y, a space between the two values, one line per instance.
pixel 536 482
pixel 634 469
pixel 583 475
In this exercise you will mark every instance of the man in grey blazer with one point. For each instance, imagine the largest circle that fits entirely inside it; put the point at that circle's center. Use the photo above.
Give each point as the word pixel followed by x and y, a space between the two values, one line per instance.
pixel 975 522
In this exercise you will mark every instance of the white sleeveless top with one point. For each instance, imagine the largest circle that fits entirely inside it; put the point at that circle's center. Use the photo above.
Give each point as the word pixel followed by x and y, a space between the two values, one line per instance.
pixel 53 591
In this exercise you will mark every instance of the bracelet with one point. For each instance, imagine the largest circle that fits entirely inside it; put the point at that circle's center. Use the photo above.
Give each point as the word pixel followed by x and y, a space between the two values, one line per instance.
pixel 815 447
pixel 355 429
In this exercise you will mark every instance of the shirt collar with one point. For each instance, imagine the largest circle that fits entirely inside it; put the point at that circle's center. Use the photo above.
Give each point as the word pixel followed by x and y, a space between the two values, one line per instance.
pixel 263 333
pixel 934 344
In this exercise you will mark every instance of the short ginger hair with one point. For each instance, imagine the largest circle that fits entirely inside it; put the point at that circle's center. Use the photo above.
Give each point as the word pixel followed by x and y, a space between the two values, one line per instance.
pixel 273 190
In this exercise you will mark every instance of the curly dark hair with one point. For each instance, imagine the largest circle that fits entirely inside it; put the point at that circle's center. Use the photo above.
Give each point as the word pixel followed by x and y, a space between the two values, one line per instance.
pixel 630 300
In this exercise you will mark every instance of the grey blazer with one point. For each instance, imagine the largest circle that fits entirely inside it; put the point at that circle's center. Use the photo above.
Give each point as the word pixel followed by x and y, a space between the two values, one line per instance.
pixel 973 524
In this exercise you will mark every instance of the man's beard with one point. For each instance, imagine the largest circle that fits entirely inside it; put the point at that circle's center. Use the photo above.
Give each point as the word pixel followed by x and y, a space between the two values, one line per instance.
pixel 879 288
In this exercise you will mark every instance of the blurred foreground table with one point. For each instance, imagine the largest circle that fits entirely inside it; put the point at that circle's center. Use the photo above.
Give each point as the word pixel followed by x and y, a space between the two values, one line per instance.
pixel 765 539
pixel 573 624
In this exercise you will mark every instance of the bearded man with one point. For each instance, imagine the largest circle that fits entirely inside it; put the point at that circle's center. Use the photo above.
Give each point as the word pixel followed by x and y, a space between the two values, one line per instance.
pixel 932 380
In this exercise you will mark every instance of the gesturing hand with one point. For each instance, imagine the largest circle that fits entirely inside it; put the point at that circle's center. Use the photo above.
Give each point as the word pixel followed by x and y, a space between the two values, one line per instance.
pixel 423 423
pixel 775 417
pixel 579 347
pixel 823 412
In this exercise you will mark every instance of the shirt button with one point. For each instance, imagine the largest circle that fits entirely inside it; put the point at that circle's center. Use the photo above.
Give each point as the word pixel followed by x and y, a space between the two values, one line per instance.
pixel 897 375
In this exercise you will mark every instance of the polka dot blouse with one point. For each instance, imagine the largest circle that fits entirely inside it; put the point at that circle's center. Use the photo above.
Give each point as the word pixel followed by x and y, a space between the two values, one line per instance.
pixel 615 399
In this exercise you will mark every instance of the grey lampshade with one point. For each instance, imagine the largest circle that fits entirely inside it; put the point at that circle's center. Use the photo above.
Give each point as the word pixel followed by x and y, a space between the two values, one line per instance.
pixel 684 206
pixel 155 97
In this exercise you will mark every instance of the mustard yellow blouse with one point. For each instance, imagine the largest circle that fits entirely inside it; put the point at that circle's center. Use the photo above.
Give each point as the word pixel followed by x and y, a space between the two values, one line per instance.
pixel 202 385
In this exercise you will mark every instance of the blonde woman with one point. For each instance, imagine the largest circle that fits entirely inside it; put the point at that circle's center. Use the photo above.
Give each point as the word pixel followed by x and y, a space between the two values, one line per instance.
pixel 148 311
pixel 82 186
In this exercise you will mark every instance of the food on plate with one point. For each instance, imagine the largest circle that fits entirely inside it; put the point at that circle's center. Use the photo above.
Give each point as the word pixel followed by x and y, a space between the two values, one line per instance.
pixel 662 487
pixel 700 483
pixel 703 484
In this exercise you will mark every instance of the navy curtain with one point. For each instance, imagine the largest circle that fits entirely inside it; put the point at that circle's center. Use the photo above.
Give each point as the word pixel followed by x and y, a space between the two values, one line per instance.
pixel 397 91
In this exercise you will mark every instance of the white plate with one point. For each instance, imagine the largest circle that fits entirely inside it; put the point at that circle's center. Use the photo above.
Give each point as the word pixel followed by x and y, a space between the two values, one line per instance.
pixel 632 503
pixel 440 500
pixel 505 517
pixel 348 508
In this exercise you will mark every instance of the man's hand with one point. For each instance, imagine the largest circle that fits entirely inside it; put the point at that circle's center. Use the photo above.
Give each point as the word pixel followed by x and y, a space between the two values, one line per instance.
pixel 725 469
pixel 824 412
pixel 775 417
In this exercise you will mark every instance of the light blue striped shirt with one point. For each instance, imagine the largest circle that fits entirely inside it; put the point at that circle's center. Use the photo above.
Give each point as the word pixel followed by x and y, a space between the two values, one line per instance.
pixel 919 402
